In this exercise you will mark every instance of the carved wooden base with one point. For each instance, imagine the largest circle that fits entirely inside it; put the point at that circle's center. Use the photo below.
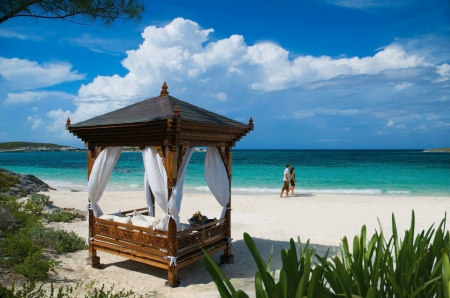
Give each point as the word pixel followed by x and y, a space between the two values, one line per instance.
pixel 226 259
pixel 94 262
pixel 172 284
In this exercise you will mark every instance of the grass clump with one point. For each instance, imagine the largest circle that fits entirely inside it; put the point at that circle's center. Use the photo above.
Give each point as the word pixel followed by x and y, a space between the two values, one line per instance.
pixel 40 200
pixel 60 215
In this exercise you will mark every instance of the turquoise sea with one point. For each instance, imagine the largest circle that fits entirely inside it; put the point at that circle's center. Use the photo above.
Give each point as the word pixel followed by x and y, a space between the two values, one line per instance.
pixel 410 172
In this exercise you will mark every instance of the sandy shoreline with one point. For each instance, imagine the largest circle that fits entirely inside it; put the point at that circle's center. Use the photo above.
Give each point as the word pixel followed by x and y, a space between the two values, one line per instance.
pixel 322 218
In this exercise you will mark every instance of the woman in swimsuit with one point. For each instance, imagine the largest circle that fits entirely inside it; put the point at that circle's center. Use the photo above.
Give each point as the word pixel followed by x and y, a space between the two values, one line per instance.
pixel 292 181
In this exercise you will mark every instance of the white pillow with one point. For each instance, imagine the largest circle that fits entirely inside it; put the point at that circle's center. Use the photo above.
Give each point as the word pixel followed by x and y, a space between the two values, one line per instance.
pixel 107 217
pixel 124 220
pixel 153 220
pixel 137 216
pixel 140 223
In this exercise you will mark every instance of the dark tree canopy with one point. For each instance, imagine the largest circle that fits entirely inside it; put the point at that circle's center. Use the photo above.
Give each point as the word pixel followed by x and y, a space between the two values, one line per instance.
pixel 78 11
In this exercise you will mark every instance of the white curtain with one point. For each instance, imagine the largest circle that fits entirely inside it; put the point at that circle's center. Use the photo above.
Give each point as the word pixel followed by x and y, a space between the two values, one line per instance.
pixel 217 178
pixel 100 174
pixel 156 176
pixel 148 196
pixel 157 179
pixel 174 204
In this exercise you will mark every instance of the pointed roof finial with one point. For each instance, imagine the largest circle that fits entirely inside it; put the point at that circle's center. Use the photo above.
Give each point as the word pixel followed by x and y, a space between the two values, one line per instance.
pixel 250 123
pixel 176 112
pixel 164 91
pixel 67 123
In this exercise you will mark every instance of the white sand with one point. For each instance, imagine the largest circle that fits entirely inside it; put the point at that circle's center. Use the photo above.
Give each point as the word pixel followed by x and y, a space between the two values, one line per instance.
pixel 271 221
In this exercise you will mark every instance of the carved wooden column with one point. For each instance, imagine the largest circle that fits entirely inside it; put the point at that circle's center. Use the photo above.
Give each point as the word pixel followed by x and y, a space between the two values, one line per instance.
pixel 172 174
pixel 93 259
pixel 227 257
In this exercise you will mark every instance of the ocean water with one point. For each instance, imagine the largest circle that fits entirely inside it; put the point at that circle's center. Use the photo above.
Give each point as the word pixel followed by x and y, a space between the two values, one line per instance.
pixel 410 172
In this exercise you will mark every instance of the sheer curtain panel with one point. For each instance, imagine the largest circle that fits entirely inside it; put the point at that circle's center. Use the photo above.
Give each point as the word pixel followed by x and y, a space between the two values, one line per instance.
pixel 100 174
pixel 217 178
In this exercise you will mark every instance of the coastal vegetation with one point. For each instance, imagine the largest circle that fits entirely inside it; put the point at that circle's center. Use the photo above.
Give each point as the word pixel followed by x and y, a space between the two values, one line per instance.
pixel 28 146
pixel 416 265
pixel 438 150
pixel 27 246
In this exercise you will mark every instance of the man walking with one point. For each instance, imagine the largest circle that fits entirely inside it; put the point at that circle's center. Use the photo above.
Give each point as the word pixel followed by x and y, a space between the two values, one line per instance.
pixel 286 179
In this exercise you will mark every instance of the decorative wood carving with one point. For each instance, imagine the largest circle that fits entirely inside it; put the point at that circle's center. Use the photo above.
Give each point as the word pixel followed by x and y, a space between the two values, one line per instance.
pixel 127 235
pixel 215 231
pixel 104 230
pixel 188 241
pixel 164 91
pixel 155 241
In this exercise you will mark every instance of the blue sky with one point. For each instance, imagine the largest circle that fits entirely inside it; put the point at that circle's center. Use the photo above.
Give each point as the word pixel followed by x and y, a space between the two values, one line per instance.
pixel 312 74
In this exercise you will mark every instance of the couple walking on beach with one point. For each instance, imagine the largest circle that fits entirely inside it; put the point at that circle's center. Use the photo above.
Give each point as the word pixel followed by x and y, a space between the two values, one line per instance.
pixel 288 177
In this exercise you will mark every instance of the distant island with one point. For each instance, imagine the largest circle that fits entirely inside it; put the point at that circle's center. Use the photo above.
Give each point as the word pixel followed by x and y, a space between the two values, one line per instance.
pixel 28 147
pixel 439 150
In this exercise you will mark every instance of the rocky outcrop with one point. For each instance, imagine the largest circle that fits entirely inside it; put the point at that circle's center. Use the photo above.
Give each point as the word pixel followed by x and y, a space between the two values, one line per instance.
pixel 26 185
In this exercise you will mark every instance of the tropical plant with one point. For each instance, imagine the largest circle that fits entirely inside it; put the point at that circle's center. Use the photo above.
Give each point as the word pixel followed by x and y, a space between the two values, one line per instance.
pixel 416 266
pixel 298 277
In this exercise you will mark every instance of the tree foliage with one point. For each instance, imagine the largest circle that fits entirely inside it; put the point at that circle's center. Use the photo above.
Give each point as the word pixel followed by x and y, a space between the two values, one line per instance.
pixel 78 11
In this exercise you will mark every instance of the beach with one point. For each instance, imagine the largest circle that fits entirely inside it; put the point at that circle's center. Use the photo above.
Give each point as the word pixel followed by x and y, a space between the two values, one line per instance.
pixel 324 219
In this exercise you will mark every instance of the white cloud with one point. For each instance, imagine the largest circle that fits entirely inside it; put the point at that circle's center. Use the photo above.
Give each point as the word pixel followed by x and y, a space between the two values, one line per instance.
pixel 35 120
pixel 11 34
pixel 57 129
pixel 444 71
pixel 362 4
pixel 30 96
pixel 401 126
pixel 22 74
pixel 221 96
pixel 401 86
pixel 301 114
pixel 181 54
pixel 390 123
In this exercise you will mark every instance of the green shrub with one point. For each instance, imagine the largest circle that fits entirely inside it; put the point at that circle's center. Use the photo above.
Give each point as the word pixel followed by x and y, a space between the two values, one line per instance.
pixel 32 291
pixel 7 181
pixel 60 240
pixel 60 215
pixel 19 214
pixel 40 199
pixel 16 247
pixel 34 267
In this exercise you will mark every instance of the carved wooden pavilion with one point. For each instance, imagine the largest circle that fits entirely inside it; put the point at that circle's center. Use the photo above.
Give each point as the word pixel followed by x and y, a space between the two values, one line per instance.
pixel 171 125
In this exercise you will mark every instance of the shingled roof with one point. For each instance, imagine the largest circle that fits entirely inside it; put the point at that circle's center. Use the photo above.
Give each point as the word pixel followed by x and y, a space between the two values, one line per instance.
pixel 161 120
pixel 156 109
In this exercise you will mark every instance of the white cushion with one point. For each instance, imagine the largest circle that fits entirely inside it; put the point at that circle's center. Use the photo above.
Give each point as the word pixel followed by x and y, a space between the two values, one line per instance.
pixel 140 223
pixel 137 216
pixel 124 220
pixel 107 217
pixel 153 220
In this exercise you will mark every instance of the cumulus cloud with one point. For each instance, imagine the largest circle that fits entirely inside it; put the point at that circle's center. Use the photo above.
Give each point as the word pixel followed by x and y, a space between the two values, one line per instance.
pixel 181 54
pixel 22 74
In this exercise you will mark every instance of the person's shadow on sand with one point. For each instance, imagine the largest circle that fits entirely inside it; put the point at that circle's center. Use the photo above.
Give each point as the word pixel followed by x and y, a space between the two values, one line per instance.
pixel 244 266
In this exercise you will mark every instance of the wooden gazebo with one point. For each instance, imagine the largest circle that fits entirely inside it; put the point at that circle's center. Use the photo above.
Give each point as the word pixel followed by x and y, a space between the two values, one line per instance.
pixel 171 125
